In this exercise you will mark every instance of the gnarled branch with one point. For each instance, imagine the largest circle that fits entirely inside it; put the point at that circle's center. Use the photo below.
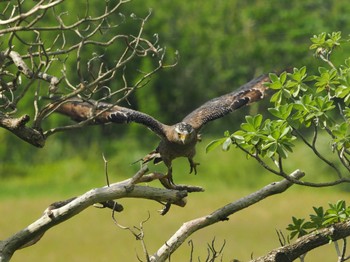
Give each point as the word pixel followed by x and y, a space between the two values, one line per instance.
pixel 18 127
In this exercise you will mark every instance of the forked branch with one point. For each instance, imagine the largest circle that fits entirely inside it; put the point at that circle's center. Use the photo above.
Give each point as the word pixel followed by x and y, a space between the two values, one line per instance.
pixel 18 127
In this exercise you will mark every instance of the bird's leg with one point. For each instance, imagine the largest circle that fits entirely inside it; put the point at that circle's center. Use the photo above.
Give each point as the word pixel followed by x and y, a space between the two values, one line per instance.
pixel 193 166
pixel 170 175
pixel 168 181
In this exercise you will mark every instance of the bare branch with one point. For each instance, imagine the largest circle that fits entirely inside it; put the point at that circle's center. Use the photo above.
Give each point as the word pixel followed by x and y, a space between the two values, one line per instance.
pixel 58 213
pixel 18 127
pixel 137 232
pixel 22 67
pixel 290 178
pixel 22 16
pixel 44 54
pixel 219 215
pixel 313 147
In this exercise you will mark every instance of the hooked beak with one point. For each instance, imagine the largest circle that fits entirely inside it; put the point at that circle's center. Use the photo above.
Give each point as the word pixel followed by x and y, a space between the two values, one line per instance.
pixel 183 137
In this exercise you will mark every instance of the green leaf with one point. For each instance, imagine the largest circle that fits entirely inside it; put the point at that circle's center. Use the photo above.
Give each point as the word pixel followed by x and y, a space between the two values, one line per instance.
pixel 214 144
pixel 297 227
pixel 227 143
pixel 317 219
pixel 336 213
pixel 283 77
pixel 252 123
pixel 282 111
pixel 273 77
pixel 277 98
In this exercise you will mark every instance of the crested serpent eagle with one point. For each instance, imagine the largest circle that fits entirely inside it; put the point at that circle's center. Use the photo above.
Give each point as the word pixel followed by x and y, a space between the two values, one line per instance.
pixel 178 140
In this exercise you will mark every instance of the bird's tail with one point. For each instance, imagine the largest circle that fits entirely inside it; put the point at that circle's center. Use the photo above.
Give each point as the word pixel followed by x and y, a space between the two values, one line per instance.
pixel 154 155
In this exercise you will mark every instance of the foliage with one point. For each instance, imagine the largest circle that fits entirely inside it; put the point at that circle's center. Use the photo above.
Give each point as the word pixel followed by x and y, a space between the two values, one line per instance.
pixel 70 51
pixel 302 104
pixel 228 42
pixel 219 51
pixel 321 218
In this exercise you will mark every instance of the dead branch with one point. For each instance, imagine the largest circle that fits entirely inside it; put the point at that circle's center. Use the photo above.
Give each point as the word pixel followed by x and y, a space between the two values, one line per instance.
pixel 137 232
pixel 44 59
pixel 22 16
pixel 23 67
pixel 18 127
pixel 221 214
pixel 56 214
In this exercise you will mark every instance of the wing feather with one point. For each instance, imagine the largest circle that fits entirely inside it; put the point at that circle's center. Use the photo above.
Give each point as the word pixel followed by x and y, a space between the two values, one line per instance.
pixel 223 105
pixel 101 113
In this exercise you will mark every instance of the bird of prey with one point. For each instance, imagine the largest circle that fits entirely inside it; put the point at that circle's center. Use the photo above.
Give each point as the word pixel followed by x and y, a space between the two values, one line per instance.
pixel 178 140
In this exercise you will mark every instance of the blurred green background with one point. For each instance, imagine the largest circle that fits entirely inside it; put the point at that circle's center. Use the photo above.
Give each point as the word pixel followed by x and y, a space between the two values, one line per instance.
pixel 222 44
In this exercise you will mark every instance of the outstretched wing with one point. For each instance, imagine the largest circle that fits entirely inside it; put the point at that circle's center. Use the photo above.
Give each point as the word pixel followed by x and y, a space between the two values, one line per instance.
pixel 101 113
pixel 221 106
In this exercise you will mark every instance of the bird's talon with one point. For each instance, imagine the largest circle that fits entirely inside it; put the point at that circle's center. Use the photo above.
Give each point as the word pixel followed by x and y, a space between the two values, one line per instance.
pixel 193 167
pixel 165 209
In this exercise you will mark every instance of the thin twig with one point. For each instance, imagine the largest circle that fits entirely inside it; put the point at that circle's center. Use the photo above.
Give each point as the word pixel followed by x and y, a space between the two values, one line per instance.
pixel 106 168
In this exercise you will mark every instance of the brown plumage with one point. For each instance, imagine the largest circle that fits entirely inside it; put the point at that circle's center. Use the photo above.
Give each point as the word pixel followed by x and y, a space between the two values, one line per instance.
pixel 178 140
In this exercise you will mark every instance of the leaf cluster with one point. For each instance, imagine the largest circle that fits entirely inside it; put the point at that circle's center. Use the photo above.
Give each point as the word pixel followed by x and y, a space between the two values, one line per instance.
pixel 266 138
pixel 325 43
pixel 321 218
pixel 301 102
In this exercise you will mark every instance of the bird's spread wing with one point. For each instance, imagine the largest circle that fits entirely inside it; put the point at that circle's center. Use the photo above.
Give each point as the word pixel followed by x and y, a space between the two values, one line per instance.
pixel 101 113
pixel 221 106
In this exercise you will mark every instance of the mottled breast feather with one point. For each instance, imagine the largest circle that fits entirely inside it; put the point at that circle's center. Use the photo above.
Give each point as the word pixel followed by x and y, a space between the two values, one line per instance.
pixel 223 105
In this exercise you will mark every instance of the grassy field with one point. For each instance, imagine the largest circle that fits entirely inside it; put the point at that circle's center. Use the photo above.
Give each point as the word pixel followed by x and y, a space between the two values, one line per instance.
pixel 93 236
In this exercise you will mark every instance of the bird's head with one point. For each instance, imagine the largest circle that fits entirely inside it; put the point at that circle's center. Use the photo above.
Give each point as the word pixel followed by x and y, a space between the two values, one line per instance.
pixel 184 132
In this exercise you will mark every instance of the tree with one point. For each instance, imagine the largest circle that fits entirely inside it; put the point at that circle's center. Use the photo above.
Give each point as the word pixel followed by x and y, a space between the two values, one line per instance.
pixel 66 60
pixel 308 108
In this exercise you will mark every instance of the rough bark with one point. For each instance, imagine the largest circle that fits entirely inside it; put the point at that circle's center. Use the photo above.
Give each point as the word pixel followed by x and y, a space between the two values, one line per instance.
pixel 306 243
pixel 18 127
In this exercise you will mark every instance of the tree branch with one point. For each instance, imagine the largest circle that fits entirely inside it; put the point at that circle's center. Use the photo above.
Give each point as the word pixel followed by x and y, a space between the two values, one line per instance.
pixel 306 243
pixel 23 67
pixel 221 214
pixel 22 16
pixel 57 214
pixel 18 127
